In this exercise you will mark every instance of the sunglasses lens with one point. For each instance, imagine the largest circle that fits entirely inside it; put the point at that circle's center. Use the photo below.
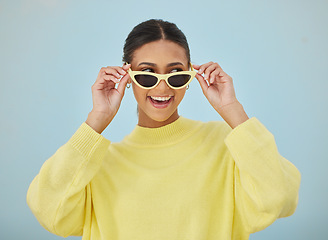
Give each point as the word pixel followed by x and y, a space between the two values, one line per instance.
pixel 179 80
pixel 146 80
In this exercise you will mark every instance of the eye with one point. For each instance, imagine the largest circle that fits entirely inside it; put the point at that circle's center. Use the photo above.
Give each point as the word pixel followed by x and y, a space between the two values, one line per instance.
pixel 147 70
pixel 176 70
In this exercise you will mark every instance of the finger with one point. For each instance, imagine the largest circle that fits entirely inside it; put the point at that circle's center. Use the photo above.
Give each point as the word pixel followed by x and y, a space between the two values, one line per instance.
pixel 110 71
pixel 122 85
pixel 101 80
pixel 195 66
pixel 126 66
pixel 224 77
pixel 103 75
pixel 102 84
pixel 216 73
pixel 111 78
pixel 203 67
pixel 120 70
pixel 209 69
pixel 202 82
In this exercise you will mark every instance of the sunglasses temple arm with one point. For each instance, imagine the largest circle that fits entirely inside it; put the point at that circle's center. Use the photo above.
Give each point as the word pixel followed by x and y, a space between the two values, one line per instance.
pixel 192 69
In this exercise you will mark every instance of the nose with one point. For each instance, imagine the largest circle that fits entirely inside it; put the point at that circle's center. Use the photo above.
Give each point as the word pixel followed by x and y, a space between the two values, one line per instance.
pixel 162 85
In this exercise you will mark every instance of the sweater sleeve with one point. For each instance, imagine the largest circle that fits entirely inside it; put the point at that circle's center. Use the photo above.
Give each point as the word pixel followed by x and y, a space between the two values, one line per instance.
pixel 57 196
pixel 266 184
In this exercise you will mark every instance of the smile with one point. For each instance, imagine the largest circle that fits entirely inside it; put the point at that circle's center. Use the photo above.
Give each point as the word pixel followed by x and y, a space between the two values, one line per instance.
pixel 160 102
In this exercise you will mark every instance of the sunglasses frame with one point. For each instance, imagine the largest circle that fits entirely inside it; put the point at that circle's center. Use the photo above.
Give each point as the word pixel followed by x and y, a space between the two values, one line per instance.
pixel 160 77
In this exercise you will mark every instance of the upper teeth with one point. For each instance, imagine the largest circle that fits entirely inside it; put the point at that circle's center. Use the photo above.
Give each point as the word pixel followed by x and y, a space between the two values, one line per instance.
pixel 161 98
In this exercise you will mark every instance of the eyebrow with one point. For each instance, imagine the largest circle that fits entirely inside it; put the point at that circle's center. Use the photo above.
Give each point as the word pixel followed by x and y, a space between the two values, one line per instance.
pixel 154 65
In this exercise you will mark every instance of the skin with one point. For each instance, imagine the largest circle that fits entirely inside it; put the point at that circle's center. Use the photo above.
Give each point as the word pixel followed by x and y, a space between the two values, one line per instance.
pixel 161 57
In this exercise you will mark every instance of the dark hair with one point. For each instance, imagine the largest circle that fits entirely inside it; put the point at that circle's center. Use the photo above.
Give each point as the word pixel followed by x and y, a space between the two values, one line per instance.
pixel 150 31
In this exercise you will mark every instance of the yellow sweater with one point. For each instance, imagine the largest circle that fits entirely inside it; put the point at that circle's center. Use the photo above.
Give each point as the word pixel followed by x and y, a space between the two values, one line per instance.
pixel 188 180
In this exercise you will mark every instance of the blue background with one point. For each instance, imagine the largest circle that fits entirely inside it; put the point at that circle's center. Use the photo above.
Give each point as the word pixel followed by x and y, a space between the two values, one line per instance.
pixel 51 52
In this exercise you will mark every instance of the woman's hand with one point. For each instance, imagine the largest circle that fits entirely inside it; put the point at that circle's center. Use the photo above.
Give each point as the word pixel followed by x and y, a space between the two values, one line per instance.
pixel 106 98
pixel 218 88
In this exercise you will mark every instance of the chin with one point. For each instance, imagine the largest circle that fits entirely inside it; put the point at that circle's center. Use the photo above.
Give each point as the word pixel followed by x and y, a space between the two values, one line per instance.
pixel 157 119
pixel 160 117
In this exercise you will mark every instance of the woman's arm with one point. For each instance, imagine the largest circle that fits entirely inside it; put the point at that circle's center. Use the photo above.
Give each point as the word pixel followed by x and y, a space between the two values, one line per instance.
pixel 57 195
pixel 266 184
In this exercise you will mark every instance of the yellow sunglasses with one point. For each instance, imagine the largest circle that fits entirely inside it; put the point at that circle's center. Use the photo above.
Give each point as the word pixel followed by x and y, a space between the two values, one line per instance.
pixel 176 80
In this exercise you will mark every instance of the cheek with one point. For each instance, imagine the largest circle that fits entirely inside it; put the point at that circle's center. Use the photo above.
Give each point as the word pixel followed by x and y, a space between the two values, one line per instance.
pixel 139 93
pixel 179 94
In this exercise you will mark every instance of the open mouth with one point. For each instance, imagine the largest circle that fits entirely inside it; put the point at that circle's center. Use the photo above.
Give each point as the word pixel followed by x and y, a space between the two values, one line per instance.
pixel 160 102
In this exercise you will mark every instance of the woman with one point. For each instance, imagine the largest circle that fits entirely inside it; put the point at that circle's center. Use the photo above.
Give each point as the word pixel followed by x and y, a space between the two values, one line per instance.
pixel 172 177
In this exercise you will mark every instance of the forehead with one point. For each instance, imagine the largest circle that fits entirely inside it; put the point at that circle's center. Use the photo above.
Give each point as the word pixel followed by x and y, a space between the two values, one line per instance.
pixel 160 51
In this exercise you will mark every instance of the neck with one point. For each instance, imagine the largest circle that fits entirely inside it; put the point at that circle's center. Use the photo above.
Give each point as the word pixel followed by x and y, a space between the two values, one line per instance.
pixel 146 121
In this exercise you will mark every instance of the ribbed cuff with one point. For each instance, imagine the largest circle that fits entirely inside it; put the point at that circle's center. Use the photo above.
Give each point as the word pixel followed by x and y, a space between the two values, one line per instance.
pixel 247 137
pixel 85 139
pixel 250 127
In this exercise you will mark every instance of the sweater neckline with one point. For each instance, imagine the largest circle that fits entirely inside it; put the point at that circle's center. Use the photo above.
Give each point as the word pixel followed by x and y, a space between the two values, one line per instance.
pixel 166 135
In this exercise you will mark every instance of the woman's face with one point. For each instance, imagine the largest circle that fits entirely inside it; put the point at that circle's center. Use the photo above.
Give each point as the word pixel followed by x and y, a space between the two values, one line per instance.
pixel 161 57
